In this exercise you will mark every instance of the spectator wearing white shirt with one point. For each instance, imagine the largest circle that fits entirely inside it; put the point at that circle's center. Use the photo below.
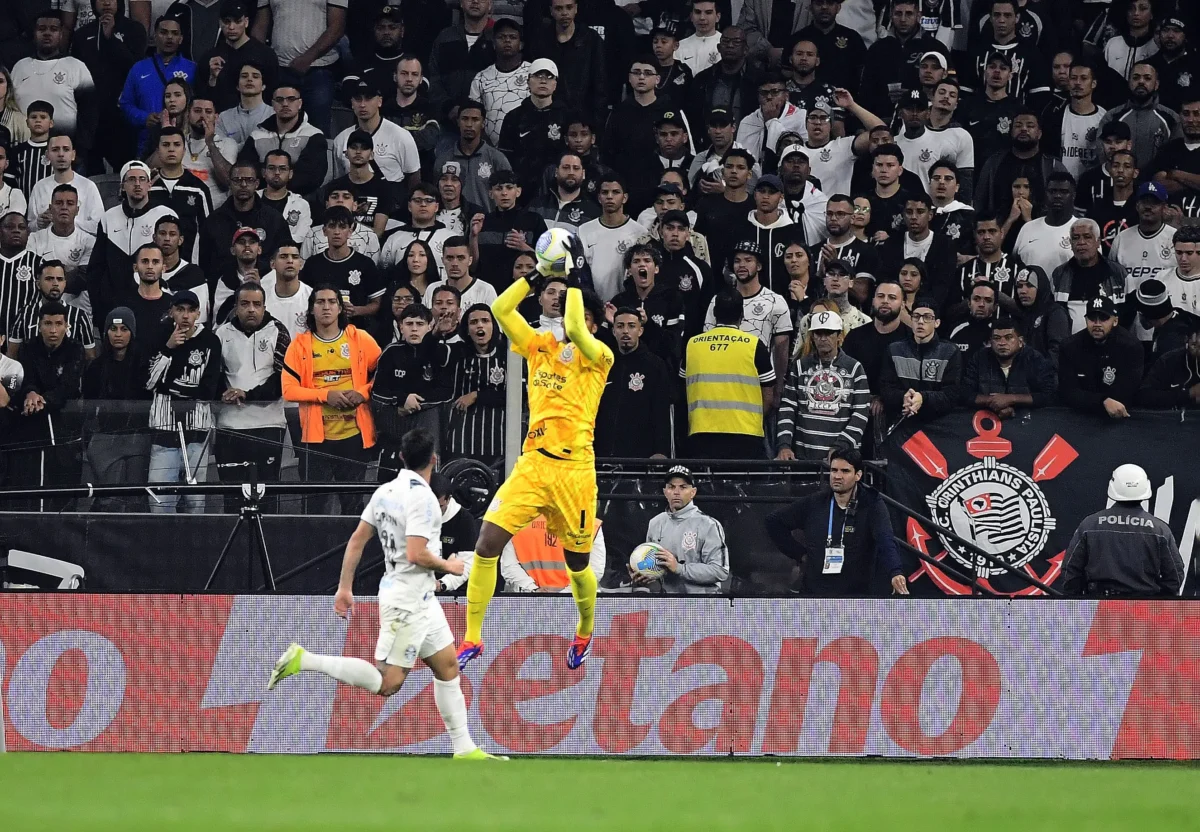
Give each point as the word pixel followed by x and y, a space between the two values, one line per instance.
pixel 61 152
pixel 304 35
pixel 923 148
pixel 423 204
pixel 606 238
pixel 699 51
pixel 505 84
pixel 239 121
pixel 209 155
pixel 363 238
pixel 456 259
pixel 63 240
pixel 12 199
pixel 395 150
pixel 1147 248
pixel 1046 241
pixel 831 161
pixel 761 129
pixel 287 295
pixel 62 81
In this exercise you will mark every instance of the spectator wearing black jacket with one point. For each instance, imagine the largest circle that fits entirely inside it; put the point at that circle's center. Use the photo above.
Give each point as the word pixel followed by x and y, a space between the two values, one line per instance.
pixel 922 375
pixel 244 209
pixel 771 227
pixel 454 61
pixel 53 365
pixel 218 68
pixel 613 26
pixel 920 240
pixel 975 332
pixel 658 304
pixel 412 382
pixel 845 535
pixel 1007 375
pixel 869 344
pixel 578 51
pixel 1100 369
pixel 731 84
pixel 532 134
pixel 1174 380
pixel 1169 327
pixel 498 237
pixel 683 269
pixel 1045 323
pixel 116 383
pixel 634 418
pixel 892 60
pixel 109 46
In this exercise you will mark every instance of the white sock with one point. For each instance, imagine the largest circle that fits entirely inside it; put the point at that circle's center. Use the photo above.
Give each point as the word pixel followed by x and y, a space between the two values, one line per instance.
pixel 453 708
pixel 361 674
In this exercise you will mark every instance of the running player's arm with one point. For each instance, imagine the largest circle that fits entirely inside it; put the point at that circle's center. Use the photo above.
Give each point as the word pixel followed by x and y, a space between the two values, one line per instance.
pixel 354 549
pixel 575 327
pixel 512 324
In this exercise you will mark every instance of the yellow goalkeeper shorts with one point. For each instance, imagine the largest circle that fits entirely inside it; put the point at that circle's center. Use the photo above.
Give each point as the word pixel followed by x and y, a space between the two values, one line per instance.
pixel 563 491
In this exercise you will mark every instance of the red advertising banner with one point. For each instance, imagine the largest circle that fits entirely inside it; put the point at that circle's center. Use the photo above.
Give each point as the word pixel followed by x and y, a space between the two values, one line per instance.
pixel 709 676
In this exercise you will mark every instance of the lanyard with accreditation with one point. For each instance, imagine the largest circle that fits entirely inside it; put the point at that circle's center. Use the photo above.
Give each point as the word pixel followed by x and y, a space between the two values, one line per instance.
pixel 835 556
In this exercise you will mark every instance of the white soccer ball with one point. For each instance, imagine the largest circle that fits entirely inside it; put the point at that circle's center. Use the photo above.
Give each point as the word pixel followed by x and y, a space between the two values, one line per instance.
pixel 644 562
pixel 553 252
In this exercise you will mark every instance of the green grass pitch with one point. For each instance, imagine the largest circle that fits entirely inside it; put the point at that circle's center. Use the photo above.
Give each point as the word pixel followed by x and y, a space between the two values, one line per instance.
pixel 78 792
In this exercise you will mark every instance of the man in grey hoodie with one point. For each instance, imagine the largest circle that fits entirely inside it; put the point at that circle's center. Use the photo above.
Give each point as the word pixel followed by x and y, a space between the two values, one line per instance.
pixel 695 558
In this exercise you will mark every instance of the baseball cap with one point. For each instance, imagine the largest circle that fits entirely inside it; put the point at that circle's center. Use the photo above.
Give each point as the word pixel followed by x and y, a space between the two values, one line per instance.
pixel 135 164
pixel 668 189
pixel 451 169
pixel 938 56
pixel 236 9
pixel 793 148
pixel 360 138
pixel 667 27
pixel 825 322
pixel 506 23
pixel 840 265
pixel 502 177
pixel 362 88
pixel 246 231
pixel 1101 306
pixel 915 100
pixel 769 181
pixel 675 216
pixel 820 106
pixel 1000 58
pixel 1154 190
pixel 1153 298
pixel 719 116
pixel 543 65
pixel 679 472
pixel 748 247
pixel 185 298
pixel 1116 130
pixel 671 117
pixel 1174 23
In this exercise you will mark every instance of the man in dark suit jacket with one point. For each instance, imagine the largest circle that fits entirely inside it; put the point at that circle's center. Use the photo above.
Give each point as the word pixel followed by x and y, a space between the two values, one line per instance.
pixel 922 242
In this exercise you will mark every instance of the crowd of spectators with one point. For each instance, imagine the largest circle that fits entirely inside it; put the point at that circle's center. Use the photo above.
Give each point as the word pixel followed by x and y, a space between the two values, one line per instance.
pixel 807 222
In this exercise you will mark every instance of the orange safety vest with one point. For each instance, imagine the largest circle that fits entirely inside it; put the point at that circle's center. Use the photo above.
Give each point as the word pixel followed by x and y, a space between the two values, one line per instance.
pixel 541 555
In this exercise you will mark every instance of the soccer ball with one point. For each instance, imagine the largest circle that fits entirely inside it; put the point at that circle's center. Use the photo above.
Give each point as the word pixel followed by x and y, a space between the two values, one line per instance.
pixel 553 252
pixel 642 560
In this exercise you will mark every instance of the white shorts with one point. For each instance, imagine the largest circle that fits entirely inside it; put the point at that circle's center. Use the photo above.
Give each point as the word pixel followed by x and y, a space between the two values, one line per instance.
pixel 414 630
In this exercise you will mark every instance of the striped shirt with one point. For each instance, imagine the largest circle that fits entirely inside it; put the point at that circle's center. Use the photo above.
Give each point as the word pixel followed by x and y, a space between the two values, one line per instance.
pixel 479 432
pixel 32 166
pixel 79 325
pixel 823 405
pixel 296 25
pixel 18 285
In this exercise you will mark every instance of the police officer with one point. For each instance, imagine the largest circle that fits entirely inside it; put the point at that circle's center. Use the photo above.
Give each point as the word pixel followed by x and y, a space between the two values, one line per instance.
pixel 1123 551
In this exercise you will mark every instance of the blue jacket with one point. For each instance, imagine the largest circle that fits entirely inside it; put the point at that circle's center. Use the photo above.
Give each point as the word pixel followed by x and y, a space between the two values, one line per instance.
pixel 143 91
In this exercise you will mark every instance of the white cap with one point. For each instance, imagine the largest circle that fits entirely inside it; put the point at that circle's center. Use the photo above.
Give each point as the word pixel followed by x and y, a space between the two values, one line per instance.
pixel 135 165
pixel 941 59
pixel 825 322
pixel 543 65
pixel 1129 484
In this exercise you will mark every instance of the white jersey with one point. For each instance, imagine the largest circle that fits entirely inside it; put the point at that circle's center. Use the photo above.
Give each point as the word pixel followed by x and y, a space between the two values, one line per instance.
pixel 297 213
pixel 58 82
pixel 395 151
pixel 932 146
pixel 698 53
pixel 604 249
pixel 1041 244
pixel 399 241
pixel 74 250
pixel 1080 141
pixel 480 291
pixel 91 204
pixel 405 507
pixel 833 164
pixel 500 93
pixel 362 239
pixel 765 315
pixel 291 311
pixel 12 201
pixel 1143 256
pixel 1184 290
pixel 198 160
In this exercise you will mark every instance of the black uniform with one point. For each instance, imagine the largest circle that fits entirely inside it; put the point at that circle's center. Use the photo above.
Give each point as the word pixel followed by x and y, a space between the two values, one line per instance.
pixel 1122 551
pixel 634 418
pixel 933 369
pixel 49 456
pixel 404 369
pixel 356 274
pixel 479 431
pixel 533 138
pixel 663 330
pixel 1170 381
pixel 843 53
pixel 869 347
pixel 694 281
pixel 1090 372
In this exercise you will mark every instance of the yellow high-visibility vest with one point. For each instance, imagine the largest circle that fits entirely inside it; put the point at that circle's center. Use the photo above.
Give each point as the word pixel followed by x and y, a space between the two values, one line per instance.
pixel 723 391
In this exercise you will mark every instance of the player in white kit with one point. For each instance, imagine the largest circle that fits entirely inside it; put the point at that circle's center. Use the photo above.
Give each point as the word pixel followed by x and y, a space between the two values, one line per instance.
pixel 406 516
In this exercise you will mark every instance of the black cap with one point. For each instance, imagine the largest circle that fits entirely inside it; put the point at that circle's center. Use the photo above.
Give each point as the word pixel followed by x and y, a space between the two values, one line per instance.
pixel 1116 130
pixel 915 100
pixel 1000 58
pixel 1153 299
pixel 505 23
pixel 681 472
pixel 185 298
pixel 748 247
pixel 360 138
pixel 236 9
pixel 668 189
pixel 390 12
pixel 362 88
pixel 502 177
pixel 1101 306
pixel 841 265
pixel 675 216
pixel 672 117
pixel 1174 23
pixel 666 26
pixel 719 117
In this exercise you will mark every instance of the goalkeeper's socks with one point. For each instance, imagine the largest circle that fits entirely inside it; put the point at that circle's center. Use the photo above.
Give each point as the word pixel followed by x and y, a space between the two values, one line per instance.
pixel 481 586
pixel 453 707
pixel 583 588
pixel 357 672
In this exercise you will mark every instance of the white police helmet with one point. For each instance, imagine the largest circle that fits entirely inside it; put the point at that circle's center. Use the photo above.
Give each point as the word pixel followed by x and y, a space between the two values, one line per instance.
pixel 1129 484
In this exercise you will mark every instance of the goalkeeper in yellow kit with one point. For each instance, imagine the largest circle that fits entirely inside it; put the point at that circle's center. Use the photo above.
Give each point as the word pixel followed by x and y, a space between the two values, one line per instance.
pixel 556 474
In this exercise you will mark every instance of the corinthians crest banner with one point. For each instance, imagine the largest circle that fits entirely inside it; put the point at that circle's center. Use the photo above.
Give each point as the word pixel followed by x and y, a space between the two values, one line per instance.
pixel 1020 488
